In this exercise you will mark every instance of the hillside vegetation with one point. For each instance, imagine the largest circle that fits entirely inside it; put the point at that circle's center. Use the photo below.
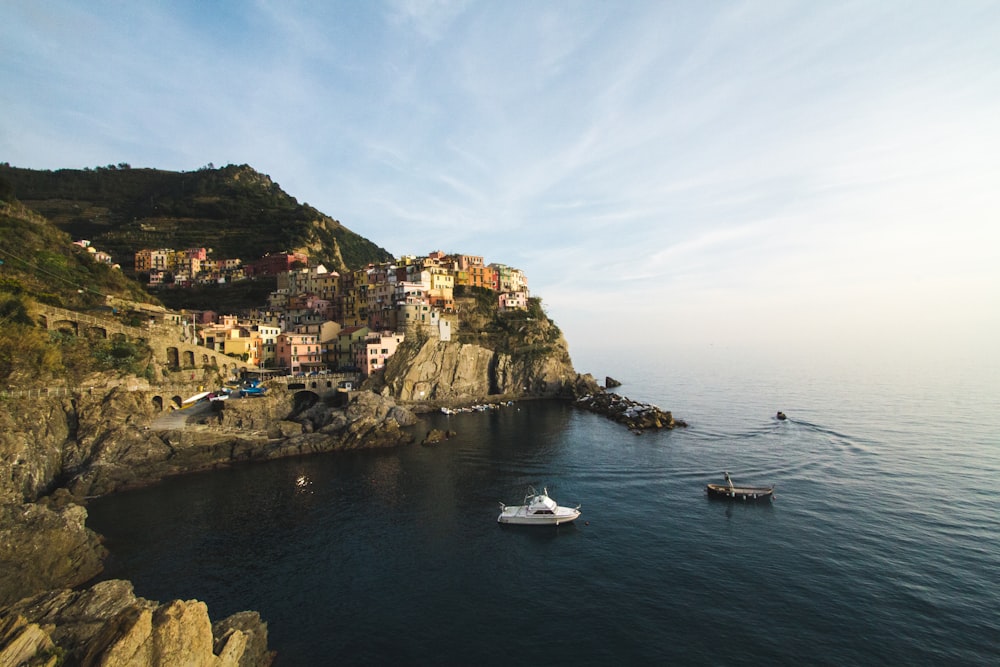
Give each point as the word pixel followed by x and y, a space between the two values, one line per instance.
pixel 40 265
pixel 234 210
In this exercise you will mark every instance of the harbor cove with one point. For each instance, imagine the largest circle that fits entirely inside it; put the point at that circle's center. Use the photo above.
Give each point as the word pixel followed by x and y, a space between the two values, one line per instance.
pixel 871 552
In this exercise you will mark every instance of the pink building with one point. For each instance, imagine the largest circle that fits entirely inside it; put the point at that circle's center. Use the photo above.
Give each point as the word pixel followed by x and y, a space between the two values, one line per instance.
pixel 298 352
pixel 513 301
pixel 377 349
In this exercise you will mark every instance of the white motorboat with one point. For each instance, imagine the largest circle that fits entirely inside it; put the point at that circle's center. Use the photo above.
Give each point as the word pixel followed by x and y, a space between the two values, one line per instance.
pixel 538 510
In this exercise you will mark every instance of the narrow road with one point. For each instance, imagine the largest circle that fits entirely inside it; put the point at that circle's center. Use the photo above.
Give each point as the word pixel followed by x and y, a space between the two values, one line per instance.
pixel 178 419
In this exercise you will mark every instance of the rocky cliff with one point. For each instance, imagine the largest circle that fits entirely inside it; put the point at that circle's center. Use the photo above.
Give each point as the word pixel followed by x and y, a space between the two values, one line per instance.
pixel 103 440
pixel 439 373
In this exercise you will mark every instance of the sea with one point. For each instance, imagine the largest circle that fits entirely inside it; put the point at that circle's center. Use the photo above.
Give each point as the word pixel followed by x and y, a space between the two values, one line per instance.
pixel 880 547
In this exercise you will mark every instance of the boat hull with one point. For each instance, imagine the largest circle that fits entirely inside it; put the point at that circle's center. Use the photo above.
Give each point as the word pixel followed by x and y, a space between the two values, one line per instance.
pixel 746 493
pixel 519 516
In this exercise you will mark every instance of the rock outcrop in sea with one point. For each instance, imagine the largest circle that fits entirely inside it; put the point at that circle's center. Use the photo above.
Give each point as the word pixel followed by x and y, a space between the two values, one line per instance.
pixel 637 416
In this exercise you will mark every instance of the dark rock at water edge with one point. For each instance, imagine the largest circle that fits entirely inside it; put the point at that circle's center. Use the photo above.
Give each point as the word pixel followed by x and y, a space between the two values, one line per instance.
pixel 436 435
pixel 637 416
pixel 260 428
pixel 611 383
pixel 43 547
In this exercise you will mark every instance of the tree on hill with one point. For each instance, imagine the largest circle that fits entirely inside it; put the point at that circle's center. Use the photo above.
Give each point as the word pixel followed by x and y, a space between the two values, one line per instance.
pixel 6 190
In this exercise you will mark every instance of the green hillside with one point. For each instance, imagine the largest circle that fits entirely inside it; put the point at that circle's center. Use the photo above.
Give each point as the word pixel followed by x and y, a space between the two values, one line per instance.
pixel 42 263
pixel 39 264
pixel 234 210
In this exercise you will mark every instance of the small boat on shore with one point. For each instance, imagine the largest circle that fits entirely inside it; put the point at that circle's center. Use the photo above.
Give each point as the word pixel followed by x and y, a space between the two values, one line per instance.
pixel 538 510
pixel 730 491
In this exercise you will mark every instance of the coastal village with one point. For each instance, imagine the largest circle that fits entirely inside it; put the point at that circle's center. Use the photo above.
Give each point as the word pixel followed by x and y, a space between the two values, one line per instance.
pixel 319 321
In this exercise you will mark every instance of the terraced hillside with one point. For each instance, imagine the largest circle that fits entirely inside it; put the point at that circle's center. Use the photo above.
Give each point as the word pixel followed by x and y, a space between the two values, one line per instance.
pixel 235 210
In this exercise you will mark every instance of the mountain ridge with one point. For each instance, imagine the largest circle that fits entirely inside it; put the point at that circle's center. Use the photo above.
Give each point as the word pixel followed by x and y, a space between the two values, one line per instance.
pixel 235 210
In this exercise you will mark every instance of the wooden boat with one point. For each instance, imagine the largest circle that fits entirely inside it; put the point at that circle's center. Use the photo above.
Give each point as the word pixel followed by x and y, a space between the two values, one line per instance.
pixel 730 491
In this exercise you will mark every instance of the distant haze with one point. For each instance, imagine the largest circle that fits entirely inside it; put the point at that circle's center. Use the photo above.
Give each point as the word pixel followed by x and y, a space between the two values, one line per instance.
pixel 811 179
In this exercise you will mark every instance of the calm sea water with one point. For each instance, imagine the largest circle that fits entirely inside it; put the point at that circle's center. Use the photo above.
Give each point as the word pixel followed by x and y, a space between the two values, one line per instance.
pixel 882 546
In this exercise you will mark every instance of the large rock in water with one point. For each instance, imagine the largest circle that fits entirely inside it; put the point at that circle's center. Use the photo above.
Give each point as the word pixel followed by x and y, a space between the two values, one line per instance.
pixel 108 625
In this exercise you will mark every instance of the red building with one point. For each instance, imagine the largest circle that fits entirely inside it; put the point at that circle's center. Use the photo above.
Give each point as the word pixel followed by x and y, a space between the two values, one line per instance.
pixel 272 265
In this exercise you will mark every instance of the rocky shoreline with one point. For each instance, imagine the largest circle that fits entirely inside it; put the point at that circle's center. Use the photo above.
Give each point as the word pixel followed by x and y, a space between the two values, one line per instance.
pixel 57 452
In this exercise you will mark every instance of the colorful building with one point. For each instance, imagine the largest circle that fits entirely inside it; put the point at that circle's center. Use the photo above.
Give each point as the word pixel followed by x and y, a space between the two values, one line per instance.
pixel 377 348
pixel 298 352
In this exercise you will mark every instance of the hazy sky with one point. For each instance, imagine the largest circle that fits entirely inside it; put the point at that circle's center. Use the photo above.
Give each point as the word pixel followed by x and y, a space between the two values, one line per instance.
pixel 814 177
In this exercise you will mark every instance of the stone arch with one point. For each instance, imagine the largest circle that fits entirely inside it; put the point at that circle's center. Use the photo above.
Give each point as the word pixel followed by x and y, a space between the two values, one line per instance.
pixel 176 402
pixel 68 326
pixel 173 357
pixel 119 337
pixel 303 400
pixel 188 357
pixel 158 403
pixel 204 359
pixel 94 332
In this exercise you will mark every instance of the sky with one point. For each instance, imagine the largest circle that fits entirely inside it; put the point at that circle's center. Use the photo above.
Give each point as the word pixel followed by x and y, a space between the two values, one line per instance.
pixel 818 179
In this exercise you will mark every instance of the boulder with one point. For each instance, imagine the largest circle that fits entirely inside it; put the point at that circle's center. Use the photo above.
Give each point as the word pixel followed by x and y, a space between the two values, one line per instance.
pixel 108 625
pixel 436 435
pixel 43 548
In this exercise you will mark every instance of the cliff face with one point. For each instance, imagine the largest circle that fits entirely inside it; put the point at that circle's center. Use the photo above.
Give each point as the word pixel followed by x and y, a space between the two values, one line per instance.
pixel 453 372
pixel 44 547
pixel 101 441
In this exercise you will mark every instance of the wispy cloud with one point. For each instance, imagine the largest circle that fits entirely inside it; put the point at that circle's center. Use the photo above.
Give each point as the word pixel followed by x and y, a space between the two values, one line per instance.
pixel 711 158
